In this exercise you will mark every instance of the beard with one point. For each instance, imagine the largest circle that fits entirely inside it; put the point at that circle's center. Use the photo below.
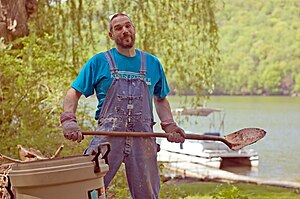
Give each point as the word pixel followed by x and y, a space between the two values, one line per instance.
pixel 127 42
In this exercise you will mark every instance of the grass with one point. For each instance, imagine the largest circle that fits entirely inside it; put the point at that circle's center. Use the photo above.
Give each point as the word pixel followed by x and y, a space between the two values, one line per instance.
pixel 213 190
pixel 191 188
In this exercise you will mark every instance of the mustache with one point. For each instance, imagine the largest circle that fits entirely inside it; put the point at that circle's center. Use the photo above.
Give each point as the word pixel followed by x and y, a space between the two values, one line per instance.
pixel 124 36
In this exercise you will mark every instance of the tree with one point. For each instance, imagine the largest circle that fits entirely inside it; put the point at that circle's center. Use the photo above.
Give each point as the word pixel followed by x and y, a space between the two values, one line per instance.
pixel 297 84
pixel 14 15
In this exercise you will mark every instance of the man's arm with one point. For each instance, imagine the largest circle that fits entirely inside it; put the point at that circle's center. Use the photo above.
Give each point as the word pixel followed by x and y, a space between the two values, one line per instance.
pixel 71 100
pixel 68 119
pixel 163 109
pixel 164 113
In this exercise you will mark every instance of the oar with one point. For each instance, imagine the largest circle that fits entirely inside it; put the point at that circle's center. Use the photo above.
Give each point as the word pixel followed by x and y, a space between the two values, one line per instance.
pixel 234 141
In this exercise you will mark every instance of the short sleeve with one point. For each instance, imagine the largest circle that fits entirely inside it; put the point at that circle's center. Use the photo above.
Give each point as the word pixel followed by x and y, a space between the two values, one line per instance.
pixel 85 80
pixel 161 88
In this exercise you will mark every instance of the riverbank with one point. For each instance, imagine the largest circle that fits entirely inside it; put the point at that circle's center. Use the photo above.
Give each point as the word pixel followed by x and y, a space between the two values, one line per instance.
pixel 193 188
pixel 198 172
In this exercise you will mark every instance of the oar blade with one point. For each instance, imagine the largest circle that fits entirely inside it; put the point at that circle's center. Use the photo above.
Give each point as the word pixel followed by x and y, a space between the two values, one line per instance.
pixel 245 137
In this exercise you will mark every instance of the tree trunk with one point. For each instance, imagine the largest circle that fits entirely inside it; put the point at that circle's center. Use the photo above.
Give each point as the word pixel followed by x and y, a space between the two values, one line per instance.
pixel 14 15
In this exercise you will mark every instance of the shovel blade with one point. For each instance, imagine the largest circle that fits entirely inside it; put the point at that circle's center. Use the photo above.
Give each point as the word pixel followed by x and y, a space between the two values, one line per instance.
pixel 245 137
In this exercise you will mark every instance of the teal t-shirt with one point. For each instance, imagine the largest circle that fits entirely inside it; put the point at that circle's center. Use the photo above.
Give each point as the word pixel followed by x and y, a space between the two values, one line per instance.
pixel 95 76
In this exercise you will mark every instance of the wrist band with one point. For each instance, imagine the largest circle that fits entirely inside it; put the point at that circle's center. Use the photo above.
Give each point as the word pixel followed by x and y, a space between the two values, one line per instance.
pixel 67 116
pixel 167 123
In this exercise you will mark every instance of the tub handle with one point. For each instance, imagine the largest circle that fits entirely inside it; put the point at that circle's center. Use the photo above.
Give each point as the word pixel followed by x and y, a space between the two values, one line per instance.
pixel 104 156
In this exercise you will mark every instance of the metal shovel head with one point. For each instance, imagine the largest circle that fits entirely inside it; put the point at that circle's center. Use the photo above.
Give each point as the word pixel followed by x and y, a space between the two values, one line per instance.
pixel 245 137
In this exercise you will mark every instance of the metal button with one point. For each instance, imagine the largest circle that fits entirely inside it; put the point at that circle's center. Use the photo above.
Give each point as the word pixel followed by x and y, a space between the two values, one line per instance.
pixel 129 106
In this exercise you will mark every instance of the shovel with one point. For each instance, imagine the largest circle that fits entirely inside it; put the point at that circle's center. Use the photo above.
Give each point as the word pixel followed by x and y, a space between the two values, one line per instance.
pixel 234 141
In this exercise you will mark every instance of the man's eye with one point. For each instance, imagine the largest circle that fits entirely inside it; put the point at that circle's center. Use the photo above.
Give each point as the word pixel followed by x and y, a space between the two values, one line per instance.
pixel 118 28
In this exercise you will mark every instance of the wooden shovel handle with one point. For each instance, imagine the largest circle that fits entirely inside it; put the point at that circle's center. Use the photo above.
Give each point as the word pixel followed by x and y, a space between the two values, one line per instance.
pixel 153 134
pixel 125 134
pixel 149 134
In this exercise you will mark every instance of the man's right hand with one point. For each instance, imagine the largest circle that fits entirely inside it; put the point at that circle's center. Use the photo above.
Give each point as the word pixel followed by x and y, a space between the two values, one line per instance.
pixel 175 133
pixel 70 128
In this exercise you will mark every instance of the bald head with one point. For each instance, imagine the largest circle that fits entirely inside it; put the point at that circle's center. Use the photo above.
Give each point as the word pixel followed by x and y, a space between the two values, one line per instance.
pixel 116 16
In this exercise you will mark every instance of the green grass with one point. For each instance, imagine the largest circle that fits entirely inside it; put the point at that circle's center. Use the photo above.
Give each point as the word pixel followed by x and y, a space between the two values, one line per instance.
pixel 212 190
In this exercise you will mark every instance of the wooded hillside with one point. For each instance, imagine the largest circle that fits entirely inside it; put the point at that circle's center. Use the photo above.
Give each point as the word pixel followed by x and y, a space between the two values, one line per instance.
pixel 259 44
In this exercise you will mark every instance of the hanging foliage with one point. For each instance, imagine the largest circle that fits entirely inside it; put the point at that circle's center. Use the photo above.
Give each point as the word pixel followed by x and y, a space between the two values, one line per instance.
pixel 182 34
pixel 64 34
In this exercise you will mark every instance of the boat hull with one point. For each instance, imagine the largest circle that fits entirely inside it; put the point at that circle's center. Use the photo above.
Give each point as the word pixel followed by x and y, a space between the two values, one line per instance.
pixel 208 153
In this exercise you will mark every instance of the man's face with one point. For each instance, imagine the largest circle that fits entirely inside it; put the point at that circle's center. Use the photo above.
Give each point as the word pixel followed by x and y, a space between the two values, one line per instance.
pixel 122 32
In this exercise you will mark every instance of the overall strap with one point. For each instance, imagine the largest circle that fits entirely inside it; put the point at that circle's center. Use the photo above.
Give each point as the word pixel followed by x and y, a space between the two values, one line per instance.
pixel 111 62
pixel 143 63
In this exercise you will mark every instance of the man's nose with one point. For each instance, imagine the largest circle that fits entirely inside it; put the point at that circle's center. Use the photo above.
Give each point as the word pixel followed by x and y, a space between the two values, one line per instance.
pixel 125 30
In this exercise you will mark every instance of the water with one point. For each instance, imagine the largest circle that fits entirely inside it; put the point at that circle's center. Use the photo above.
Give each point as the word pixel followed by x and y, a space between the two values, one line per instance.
pixel 279 116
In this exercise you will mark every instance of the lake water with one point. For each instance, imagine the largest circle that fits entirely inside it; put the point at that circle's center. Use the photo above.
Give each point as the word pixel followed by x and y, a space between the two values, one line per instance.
pixel 279 151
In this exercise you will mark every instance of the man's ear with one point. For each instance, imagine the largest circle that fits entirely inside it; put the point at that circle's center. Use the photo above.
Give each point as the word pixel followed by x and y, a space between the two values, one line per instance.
pixel 110 35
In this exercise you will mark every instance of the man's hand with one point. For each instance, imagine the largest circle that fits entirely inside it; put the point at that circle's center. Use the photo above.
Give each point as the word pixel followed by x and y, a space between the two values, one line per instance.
pixel 176 134
pixel 70 128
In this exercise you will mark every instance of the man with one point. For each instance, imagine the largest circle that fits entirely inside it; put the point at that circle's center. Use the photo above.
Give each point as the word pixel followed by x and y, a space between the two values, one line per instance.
pixel 125 81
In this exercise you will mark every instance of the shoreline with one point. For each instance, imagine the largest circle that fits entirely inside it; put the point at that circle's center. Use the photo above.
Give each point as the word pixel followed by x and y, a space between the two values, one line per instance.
pixel 219 176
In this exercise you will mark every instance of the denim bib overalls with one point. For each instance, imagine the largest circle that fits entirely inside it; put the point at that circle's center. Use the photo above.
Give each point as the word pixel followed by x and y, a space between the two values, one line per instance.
pixel 127 108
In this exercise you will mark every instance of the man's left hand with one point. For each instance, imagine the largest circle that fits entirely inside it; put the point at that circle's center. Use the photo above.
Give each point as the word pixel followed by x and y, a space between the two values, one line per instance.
pixel 175 133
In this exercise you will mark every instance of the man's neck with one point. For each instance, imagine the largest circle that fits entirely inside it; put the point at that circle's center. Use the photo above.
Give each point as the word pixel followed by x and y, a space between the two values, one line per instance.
pixel 128 52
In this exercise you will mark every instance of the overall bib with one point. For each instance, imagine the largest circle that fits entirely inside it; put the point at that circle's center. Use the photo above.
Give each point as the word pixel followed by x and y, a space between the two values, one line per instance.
pixel 127 108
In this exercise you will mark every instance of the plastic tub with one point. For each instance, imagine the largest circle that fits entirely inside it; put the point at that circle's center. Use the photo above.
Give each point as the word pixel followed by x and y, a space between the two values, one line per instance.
pixel 76 177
